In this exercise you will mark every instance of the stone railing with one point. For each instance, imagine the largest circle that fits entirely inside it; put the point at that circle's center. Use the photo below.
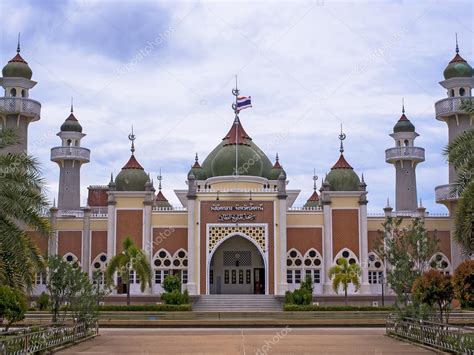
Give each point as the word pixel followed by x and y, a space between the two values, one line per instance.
pixel 78 153
pixel 445 337
pixel 236 190
pixel 162 209
pixel 71 213
pixel 443 193
pixel 44 339
pixel 99 212
pixel 20 105
pixel 305 209
pixel 451 105
pixel 404 153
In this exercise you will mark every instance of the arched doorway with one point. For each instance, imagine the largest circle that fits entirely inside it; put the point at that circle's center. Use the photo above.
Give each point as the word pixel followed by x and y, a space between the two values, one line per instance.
pixel 237 267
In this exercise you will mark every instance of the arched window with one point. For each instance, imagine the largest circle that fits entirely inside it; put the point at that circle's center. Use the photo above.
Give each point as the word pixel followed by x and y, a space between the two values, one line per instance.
pixel 312 262
pixel 405 142
pixel 13 92
pixel 180 265
pixel 98 266
pixel 294 263
pixel 451 93
pixel 23 93
pixel 375 267
pixel 72 259
pixel 440 262
pixel 162 264
pixel 69 142
pixel 347 254
pixel 462 92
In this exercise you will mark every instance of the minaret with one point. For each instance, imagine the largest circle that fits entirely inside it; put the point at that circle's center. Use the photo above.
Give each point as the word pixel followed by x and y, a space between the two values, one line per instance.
pixel 458 84
pixel 16 109
pixel 70 156
pixel 405 156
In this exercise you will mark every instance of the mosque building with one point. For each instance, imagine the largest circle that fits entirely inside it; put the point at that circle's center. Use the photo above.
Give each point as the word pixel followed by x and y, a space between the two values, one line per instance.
pixel 237 230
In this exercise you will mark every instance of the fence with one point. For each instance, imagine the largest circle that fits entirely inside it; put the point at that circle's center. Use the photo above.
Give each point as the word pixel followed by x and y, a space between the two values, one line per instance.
pixel 38 339
pixel 441 336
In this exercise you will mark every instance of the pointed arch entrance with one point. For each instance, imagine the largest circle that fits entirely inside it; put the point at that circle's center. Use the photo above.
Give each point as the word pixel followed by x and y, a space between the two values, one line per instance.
pixel 237 265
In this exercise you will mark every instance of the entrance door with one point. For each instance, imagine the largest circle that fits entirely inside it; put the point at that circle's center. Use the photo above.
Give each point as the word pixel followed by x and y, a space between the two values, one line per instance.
pixel 259 281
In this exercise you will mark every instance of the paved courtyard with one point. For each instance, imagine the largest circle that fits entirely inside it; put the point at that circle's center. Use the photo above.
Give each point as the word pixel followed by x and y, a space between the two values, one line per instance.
pixel 245 341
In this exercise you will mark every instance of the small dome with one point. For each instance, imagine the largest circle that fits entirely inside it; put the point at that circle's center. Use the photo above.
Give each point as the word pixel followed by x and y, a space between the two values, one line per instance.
pixel 161 201
pixel 197 170
pixel 458 68
pixel 251 160
pixel 276 170
pixel 132 177
pixel 17 67
pixel 342 177
pixel 403 125
pixel 313 201
pixel 71 124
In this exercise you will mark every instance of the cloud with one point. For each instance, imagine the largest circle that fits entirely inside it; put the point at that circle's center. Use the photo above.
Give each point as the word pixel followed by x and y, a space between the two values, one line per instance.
pixel 168 69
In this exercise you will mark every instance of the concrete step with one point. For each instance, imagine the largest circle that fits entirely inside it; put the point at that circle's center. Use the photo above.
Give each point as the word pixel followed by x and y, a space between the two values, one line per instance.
pixel 237 303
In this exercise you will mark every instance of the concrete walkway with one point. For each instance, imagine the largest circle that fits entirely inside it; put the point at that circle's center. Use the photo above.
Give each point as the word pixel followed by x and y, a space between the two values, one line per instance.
pixel 245 341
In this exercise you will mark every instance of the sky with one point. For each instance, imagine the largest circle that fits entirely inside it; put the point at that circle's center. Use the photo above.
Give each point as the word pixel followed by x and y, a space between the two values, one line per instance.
pixel 168 69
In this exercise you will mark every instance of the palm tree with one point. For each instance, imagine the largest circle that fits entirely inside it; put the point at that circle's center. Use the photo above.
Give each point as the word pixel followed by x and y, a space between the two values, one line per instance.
pixel 460 153
pixel 344 274
pixel 132 258
pixel 22 201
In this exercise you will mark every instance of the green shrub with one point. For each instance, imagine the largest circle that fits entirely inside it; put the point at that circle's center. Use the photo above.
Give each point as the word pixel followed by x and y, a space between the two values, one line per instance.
pixel 146 308
pixel 301 296
pixel 314 308
pixel 463 281
pixel 13 305
pixel 43 302
pixel 173 294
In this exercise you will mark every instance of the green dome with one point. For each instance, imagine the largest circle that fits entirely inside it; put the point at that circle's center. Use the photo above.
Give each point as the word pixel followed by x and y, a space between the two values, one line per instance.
pixel 17 68
pixel 342 177
pixel 403 125
pixel 132 177
pixel 458 68
pixel 313 201
pixel 71 124
pixel 251 160
pixel 197 170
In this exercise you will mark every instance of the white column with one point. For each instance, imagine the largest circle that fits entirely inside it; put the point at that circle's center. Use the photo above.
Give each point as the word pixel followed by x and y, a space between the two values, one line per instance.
pixel 282 285
pixel 147 238
pixel 327 248
pixel 53 237
pixel 111 230
pixel 86 240
pixel 192 274
pixel 364 248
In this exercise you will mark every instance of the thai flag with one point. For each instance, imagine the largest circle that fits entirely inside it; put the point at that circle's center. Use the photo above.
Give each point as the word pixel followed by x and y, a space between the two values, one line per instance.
pixel 243 102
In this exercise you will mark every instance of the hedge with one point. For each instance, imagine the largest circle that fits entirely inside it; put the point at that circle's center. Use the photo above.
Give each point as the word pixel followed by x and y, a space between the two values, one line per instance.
pixel 314 308
pixel 146 308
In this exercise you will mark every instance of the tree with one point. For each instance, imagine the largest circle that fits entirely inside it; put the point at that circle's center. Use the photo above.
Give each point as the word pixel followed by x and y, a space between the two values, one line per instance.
pixel 464 221
pixel 460 153
pixel 12 305
pixel 406 251
pixel 131 259
pixel 343 274
pixel 434 288
pixel 22 201
pixel 463 282
pixel 71 292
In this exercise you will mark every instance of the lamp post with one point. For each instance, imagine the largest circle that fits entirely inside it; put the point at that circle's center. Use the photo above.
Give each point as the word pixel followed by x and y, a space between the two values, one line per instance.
pixel 382 281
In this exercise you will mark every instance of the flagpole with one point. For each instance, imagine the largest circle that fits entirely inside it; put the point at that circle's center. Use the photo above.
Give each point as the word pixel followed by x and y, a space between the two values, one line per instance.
pixel 235 92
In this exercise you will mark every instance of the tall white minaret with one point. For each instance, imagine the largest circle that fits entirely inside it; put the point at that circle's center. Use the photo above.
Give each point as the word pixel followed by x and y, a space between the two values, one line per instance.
pixel 70 156
pixel 405 157
pixel 17 110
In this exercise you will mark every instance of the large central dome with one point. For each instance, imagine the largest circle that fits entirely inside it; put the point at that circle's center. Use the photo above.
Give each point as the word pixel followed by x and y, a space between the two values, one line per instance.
pixel 251 160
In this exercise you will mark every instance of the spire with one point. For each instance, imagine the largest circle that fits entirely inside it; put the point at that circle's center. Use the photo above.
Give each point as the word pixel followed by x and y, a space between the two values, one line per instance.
pixel 315 178
pixel 403 105
pixel 341 137
pixel 457 46
pixel 159 178
pixel 196 162
pixel 388 203
pixel 111 178
pixel 72 104
pixel 18 45
pixel 132 138
pixel 277 162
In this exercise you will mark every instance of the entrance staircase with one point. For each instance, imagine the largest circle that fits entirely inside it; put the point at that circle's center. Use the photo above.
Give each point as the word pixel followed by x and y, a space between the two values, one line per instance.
pixel 237 303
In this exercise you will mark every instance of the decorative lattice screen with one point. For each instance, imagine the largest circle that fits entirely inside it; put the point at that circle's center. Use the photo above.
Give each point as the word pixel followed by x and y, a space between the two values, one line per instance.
pixel 257 233
pixel 243 257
